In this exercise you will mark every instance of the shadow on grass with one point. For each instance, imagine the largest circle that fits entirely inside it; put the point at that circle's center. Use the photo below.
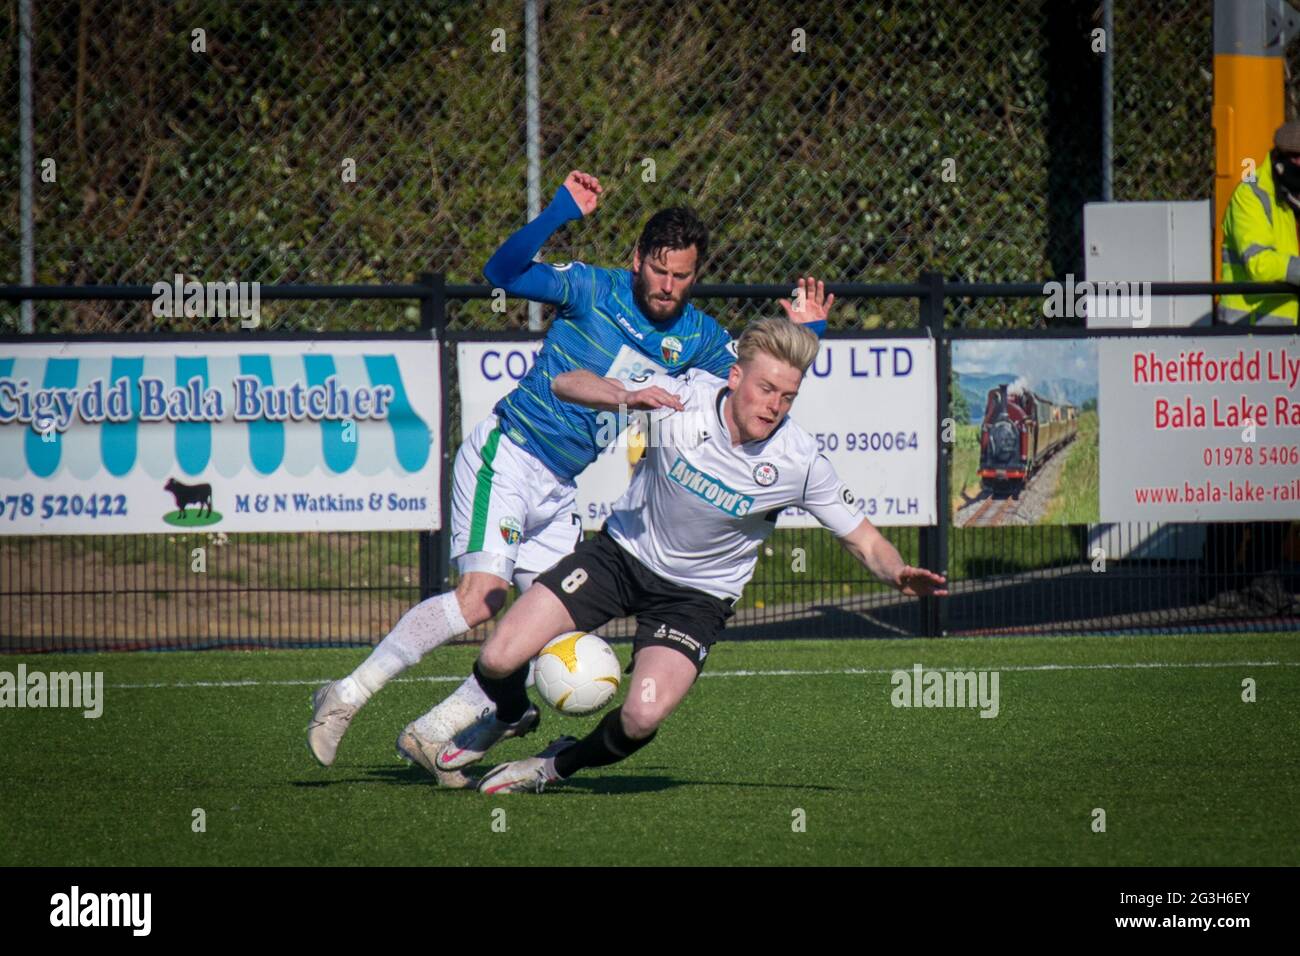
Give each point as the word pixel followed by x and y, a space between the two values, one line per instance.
pixel 599 786
pixel 826 620
pixel 399 776
pixel 586 786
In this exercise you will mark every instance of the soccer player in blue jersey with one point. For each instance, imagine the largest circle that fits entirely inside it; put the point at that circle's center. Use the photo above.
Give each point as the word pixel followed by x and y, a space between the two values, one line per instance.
pixel 514 509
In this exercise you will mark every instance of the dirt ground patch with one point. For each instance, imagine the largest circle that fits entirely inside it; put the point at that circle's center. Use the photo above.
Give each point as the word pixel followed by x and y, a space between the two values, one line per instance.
pixel 64 593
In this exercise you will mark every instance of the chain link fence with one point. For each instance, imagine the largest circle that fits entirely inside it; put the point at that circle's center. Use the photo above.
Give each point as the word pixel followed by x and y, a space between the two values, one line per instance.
pixel 360 142
pixel 864 141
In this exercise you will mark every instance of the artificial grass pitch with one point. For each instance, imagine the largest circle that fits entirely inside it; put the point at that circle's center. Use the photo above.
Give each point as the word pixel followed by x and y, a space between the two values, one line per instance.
pixel 784 753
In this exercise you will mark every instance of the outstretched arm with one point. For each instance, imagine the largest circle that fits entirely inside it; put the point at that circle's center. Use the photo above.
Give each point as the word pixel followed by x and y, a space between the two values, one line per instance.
pixel 512 267
pixel 882 559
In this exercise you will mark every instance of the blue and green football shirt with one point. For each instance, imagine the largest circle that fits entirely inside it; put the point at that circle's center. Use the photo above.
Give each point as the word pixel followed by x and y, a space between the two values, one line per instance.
pixel 598 328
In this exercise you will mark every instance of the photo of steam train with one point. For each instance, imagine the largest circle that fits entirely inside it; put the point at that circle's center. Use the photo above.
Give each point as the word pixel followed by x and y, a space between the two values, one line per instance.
pixel 1020 430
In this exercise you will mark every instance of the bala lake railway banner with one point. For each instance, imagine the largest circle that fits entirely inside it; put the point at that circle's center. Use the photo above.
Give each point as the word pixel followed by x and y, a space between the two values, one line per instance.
pixel 1200 429
pixel 307 435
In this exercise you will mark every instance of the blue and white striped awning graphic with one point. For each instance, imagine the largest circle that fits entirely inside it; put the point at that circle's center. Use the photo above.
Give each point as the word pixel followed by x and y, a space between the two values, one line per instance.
pixel 399 443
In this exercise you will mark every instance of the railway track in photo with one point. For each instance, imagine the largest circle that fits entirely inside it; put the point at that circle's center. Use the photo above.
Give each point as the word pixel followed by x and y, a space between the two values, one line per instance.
pixel 991 511
pixel 1024 506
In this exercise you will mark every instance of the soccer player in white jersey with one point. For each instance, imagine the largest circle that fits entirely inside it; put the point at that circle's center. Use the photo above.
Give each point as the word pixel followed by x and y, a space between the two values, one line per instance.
pixel 513 507
pixel 722 462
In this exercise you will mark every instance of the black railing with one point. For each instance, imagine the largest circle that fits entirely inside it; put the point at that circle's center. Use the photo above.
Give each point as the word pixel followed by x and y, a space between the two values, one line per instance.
pixel 58 593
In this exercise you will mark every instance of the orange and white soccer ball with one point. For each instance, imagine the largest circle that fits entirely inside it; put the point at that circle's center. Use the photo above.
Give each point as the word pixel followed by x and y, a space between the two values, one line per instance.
pixel 577 673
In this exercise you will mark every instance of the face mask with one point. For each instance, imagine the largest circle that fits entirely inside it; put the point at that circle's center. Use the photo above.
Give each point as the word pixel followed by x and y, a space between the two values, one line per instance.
pixel 1286 174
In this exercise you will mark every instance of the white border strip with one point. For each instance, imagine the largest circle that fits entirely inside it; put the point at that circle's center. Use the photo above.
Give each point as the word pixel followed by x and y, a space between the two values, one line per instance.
pixel 842 672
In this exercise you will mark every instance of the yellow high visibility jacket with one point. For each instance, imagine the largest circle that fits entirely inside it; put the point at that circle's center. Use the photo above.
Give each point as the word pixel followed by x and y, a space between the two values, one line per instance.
pixel 1260 245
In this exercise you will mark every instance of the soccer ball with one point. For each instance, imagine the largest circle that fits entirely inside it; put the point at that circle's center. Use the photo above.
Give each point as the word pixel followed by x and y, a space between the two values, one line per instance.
pixel 577 673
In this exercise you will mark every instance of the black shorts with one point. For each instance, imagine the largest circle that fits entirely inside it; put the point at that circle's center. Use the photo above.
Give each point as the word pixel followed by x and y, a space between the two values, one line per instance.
pixel 600 581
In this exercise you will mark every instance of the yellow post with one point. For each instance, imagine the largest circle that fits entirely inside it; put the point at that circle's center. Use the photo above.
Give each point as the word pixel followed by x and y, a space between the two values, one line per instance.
pixel 1250 37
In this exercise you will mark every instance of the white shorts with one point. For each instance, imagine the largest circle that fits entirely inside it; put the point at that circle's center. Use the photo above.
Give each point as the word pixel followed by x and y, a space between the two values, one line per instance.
pixel 508 510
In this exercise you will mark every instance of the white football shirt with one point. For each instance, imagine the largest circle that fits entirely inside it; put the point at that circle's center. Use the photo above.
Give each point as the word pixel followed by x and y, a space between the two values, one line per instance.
pixel 698 508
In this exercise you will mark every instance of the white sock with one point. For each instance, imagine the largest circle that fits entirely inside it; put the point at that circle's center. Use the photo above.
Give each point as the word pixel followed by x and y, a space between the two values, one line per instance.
pixel 421 629
pixel 441 722
pixel 446 718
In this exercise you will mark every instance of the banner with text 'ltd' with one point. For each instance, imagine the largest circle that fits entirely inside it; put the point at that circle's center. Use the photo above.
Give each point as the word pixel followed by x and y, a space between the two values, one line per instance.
pixel 1200 429
pixel 869 403
pixel 108 438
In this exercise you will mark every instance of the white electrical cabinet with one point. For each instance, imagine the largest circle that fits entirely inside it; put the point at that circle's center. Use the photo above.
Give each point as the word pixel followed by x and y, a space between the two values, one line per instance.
pixel 1133 242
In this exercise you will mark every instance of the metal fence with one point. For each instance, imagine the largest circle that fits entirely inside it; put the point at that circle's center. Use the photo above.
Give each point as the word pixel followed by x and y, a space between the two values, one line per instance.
pixel 360 140
pixel 349 588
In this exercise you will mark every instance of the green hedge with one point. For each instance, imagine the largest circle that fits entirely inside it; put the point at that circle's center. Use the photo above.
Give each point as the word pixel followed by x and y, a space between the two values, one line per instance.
pixel 830 159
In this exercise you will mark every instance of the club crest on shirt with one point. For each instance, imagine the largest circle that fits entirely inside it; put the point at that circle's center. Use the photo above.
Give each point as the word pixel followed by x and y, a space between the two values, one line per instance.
pixel 510 531
pixel 765 473
pixel 846 496
pixel 671 349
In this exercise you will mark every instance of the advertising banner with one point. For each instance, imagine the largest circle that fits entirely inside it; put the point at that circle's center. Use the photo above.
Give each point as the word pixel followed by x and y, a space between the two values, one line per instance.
pixel 108 438
pixel 870 403
pixel 1200 429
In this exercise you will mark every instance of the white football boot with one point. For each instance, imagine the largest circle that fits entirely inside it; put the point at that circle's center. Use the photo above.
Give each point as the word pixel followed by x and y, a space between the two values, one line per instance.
pixel 329 722
pixel 423 737
pixel 421 740
pixel 417 748
pixel 473 742
pixel 530 775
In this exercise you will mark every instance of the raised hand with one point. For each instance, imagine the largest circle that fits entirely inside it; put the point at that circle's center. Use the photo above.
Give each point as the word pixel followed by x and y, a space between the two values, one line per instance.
pixel 585 190
pixel 811 303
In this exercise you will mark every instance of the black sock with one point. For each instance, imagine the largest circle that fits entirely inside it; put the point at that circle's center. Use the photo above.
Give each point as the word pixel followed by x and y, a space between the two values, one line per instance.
pixel 507 692
pixel 605 745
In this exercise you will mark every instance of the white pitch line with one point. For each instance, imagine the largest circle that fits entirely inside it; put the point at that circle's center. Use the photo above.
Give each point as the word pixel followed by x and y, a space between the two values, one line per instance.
pixel 841 672
pixel 317 682
pixel 1135 665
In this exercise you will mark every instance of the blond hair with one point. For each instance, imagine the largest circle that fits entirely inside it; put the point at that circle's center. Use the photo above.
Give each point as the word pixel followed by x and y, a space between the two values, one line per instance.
pixel 780 338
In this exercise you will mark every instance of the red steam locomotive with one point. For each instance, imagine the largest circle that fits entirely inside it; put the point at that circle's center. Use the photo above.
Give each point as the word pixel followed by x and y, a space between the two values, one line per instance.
pixel 1021 430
